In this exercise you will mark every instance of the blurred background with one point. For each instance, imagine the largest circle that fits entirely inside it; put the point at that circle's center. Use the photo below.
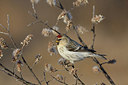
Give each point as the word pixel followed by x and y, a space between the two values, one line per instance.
pixel 111 38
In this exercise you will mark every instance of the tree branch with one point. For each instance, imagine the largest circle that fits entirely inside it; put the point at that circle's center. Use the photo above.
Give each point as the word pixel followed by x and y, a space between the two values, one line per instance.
pixel 94 59
pixel 75 76
pixel 78 36
pixel 12 74
pixel 41 21
pixel 59 80
pixel 31 70
pixel 47 82
pixel 15 46
pixel 104 72
pixel 93 29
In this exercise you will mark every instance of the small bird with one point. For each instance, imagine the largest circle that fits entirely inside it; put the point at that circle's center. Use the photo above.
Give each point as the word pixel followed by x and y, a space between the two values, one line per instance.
pixel 73 51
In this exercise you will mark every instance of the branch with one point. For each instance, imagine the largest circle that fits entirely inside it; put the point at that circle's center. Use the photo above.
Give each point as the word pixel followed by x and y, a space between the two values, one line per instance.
pixel 33 7
pixel 80 39
pixel 8 22
pixel 4 33
pixel 59 80
pixel 61 6
pixel 31 70
pixel 25 60
pixel 93 29
pixel 75 76
pixel 50 27
pixel 76 82
pixel 78 36
pixel 104 72
pixel 12 74
pixel 94 35
pixel 12 40
pixel 15 46
pixel 41 21
pixel 94 59
pixel 3 27
pixel 47 82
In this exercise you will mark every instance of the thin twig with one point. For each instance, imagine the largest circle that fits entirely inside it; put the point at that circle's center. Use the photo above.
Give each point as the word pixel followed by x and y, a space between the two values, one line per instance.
pixel 10 73
pixel 34 22
pixel 113 61
pixel 75 76
pixel 76 82
pixel 33 7
pixel 94 35
pixel 34 10
pixel 78 36
pixel 37 17
pixel 80 39
pixel 47 82
pixel 60 5
pixel 15 46
pixel 9 35
pixel 104 72
pixel 59 80
pixel 8 22
pixel 93 29
pixel 94 59
pixel 44 23
pixel 4 33
pixel 3 27
pixel 31 70
pixel 12 40
pixel 8 31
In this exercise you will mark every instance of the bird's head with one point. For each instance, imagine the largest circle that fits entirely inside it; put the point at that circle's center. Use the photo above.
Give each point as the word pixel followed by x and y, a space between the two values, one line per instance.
pixel 62 40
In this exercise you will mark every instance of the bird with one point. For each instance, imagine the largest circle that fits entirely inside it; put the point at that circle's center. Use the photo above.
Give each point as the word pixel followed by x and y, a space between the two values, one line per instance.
pixel 71 50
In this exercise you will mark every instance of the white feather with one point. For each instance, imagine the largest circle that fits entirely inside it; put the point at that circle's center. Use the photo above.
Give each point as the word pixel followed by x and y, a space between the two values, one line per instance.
pixel 72 56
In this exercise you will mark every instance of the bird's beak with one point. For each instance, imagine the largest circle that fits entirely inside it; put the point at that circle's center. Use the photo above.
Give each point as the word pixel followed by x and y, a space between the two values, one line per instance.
pixel 57 41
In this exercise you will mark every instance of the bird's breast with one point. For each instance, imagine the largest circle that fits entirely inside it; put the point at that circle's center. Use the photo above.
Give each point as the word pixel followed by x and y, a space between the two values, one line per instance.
pixel 61 49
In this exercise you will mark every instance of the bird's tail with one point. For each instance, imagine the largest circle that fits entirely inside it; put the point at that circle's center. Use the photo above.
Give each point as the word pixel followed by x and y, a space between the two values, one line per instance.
pixel 99 56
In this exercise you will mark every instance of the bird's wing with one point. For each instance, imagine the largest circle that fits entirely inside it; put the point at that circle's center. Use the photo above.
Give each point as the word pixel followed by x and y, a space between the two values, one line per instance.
pixel 83 49
pixel 76 47
pixel 73 45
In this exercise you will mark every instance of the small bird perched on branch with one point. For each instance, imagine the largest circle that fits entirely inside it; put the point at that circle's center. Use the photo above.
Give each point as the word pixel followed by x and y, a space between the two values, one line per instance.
pixel 73 51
